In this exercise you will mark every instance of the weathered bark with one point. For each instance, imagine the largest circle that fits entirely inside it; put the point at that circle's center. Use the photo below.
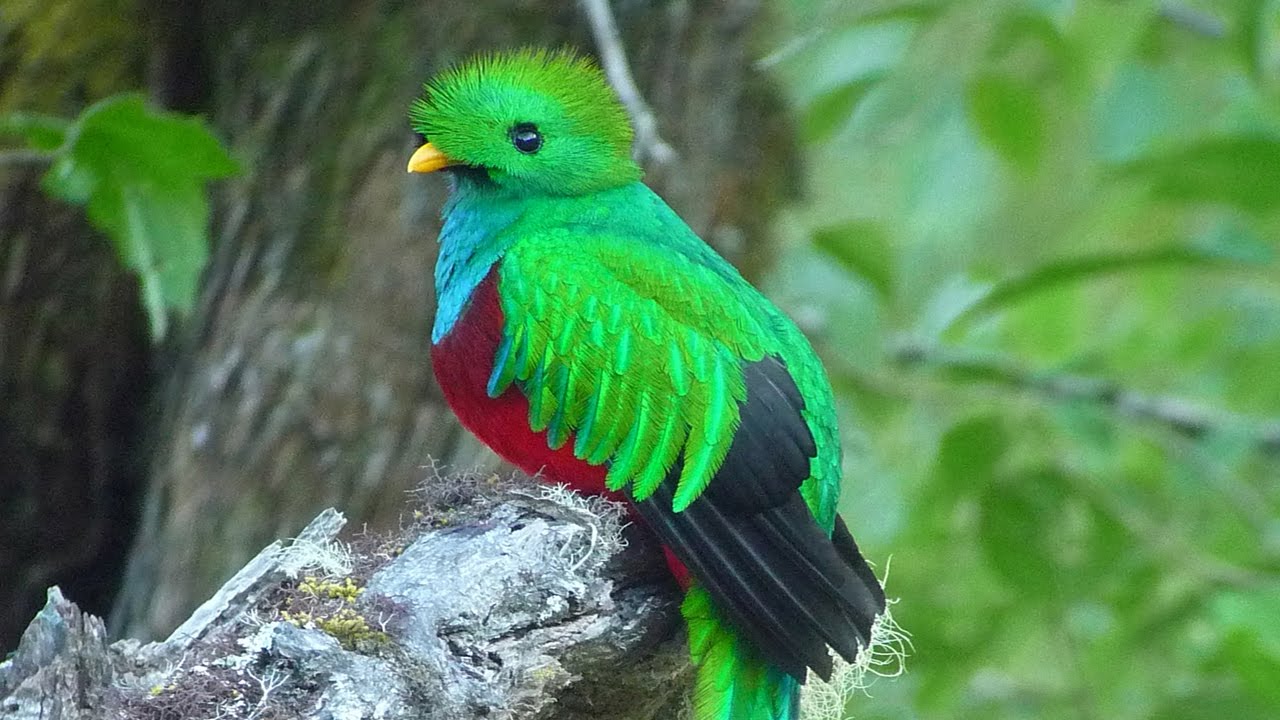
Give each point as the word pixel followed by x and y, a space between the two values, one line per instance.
pixel 559 625
pixel 61 668
pixel 305 381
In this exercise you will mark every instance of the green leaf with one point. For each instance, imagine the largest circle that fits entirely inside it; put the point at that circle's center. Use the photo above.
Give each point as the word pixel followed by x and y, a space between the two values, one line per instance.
pixel 862 247
pixel 1257 37
pixel 1136 109
pixel 829 111
pixel 1017 529
pixel 967 457
pixel 1243 171
pixel 160 234
pixel 970 451
pixel 1251 624
pixel 142 175
pixel 1009 117
pixel 1034 28
pixel 41 132
pixel 1015 289
pixel 914 10
pixel 1255 613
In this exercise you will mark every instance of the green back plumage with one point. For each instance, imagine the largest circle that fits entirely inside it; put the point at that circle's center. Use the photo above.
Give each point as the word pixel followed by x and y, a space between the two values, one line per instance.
pixel 627 332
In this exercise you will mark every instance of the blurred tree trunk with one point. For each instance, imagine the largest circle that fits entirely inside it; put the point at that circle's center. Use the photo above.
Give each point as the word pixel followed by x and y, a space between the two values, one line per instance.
pixel 73 373
pixel 303 378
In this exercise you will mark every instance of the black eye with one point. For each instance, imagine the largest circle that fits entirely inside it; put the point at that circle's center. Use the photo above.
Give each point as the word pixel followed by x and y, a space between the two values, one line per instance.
pixel 526 138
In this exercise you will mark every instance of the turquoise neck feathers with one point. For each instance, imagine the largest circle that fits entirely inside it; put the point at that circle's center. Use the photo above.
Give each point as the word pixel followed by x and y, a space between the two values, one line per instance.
pixel 478 223
pixel 471 241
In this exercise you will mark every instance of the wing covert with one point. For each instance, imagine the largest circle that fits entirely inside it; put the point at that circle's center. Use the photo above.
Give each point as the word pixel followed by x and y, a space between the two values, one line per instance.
pixel 637 357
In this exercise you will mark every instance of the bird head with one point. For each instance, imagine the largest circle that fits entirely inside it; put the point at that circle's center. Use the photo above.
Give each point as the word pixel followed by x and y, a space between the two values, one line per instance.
pixel 531 122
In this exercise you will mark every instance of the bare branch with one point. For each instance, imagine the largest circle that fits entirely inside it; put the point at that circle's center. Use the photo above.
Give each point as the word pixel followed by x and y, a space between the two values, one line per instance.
pixel 13 158
pixel 1178 414
pixel 1194 20
pixel 613 59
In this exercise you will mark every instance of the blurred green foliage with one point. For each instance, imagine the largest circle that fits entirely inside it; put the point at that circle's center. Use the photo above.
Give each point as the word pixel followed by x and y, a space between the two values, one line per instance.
pixel 141 175
pixel 57 56
pixel 1039 251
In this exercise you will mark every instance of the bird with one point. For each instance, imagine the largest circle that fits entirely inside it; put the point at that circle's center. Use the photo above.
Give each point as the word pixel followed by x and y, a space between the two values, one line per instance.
pixel 587 335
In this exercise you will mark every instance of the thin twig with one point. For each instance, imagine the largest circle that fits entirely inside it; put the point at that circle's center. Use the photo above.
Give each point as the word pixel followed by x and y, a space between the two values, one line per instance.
pixel 791 47
pixel 1194 20
pixel 24 157
pixel 613 59
pixel 1180 415
pixel 270 681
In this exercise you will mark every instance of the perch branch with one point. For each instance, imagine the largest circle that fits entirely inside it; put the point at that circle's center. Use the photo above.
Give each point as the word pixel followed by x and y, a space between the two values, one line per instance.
pixel 613 59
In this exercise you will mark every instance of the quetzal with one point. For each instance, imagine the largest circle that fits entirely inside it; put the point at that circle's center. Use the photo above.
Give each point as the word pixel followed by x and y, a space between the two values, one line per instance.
pixel 584 332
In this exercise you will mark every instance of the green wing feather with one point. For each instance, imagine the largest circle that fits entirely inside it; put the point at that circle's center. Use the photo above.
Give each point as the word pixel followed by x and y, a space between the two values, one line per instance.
pixel 636 355
pixel 628 335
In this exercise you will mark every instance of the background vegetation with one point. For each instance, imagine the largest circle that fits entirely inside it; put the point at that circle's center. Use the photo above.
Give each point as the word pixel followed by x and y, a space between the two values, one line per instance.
pixel 1037 247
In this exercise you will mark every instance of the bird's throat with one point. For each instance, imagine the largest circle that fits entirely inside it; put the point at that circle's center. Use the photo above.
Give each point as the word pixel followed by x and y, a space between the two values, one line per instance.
pixel 472 240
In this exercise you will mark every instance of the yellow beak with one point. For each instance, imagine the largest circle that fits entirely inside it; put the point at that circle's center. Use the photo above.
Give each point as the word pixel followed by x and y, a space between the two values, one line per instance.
pixel 428 159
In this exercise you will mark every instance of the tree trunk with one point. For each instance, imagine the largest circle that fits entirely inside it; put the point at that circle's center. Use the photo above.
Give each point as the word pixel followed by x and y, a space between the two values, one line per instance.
pixel 73 368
